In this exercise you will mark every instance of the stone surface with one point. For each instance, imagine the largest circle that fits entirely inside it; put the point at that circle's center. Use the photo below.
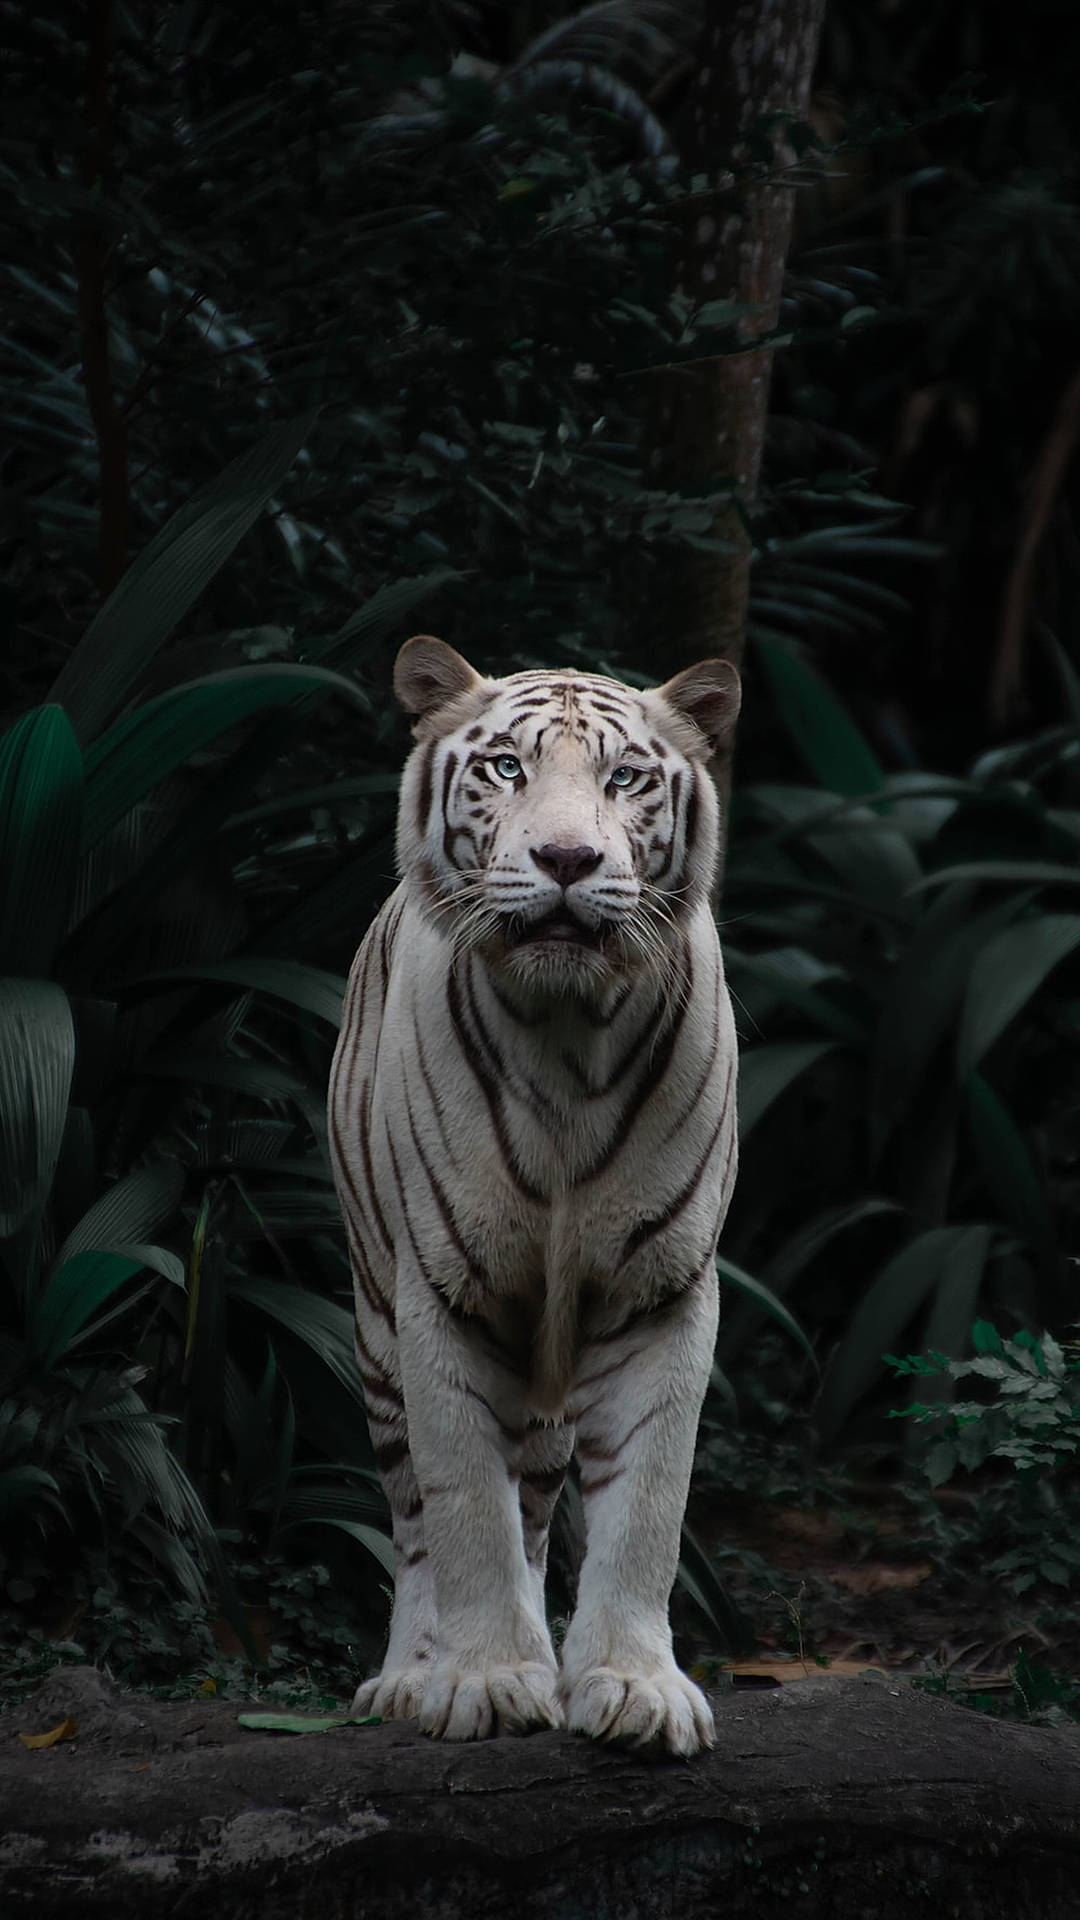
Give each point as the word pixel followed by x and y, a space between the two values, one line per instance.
pixel 826 1798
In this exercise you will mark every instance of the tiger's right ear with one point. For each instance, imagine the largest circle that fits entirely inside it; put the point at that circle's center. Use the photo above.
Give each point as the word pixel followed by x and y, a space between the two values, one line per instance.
pixel 428 675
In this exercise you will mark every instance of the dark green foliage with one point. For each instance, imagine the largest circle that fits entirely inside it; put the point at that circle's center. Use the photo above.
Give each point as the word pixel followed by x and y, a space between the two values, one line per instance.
pixel 1030 1416
pixel 908 1010
pixel 306 292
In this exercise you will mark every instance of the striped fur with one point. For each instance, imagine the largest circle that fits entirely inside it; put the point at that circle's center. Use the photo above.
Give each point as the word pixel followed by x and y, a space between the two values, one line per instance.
pixel 532 1118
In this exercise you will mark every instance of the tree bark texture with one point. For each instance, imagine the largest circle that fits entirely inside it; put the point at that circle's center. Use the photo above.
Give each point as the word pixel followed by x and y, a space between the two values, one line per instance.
pixel 706 421
pixel 824 1798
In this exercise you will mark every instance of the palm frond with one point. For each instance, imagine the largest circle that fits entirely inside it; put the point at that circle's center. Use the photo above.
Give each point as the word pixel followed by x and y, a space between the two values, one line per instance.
pixel 643 33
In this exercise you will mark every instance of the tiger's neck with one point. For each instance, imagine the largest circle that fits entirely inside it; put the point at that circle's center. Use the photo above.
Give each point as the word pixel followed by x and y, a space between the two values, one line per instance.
pixel 585 1043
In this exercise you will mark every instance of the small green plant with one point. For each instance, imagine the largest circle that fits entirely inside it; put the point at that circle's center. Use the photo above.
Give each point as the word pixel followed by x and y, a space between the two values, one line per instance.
pixel 1032 1420
pixel 1031 1417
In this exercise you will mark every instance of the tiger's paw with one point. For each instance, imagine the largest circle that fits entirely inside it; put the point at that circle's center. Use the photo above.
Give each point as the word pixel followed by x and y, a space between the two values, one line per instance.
pixel 393 1694
pixel 662 1709
pixel 472 1703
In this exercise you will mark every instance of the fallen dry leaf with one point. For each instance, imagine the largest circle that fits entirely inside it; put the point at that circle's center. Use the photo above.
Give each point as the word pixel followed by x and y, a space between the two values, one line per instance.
pixel 876 1576
pixel 783 1672
pixel 65 1731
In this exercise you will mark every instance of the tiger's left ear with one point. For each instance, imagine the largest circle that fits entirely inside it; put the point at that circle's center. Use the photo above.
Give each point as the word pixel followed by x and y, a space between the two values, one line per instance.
pixel 428 675
pixel 709 696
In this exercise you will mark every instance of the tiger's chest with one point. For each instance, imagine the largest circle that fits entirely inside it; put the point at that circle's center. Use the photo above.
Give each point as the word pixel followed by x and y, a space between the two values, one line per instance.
pixel 526 1156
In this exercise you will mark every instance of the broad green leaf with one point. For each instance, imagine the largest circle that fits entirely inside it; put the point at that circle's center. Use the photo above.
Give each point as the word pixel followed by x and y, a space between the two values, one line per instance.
pixel 311 988
pixel 140 749
pixel 37 1060
pixel 378 617
pixel 794 1256
pixel 21 1485
pixel 819 728
pixel 339 909
pixel 303 1722
pixel 1008 1169
pixel 321 1324
pixel 137 1205
pixel 888 1304
pixel 790 1262
pixel 41 799
pixel 1007 972
pixel 262 1078
pixel 749 877
pixel 169 575
pixel 698 1577
pixel 376 1543
pixel 303 799
pixel 952 1314
pixel 923 998
pixel 70 1296
pixel 764 1297
pixel 338 1491
pixel 767 1072
pixel 874 861
pixel 1027 873
pixel 816 1005
pixel 156 1260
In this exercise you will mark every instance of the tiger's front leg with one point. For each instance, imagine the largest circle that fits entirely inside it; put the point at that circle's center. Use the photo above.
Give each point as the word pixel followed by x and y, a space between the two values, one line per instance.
pixel 636 1403
pixel 494 1668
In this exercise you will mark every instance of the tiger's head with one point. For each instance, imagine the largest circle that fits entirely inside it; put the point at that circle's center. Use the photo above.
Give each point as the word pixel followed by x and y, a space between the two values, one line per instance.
pixel 560 823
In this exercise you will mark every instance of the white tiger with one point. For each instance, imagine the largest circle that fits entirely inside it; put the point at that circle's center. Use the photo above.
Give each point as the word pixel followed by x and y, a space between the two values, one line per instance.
pixel 532 1119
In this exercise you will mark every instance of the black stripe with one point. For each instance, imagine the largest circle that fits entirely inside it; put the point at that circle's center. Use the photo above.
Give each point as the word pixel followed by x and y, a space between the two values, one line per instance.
pixel 614 1366
pixel 436 1103
pixel 427 773
pixel 372 1293
pixel 676 794
pixel 599 1482
pixel 648 1229
pixel 400 1184
pixel 589 1450
pixel 693 808
pixel 489 1086
pixel 475 1271
pixel 699 1088
pixel 652 1315
pixel 622 1066
pixel 389 1453
pixel 365 1151
pixel 449 770
pixel 650 1081
pixel 548 1481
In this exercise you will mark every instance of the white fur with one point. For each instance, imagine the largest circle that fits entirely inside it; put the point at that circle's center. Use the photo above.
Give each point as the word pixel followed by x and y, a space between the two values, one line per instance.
pixel 502 1228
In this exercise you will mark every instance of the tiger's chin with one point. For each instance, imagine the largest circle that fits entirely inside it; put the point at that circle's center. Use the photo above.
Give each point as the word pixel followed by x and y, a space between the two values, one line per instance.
pixel 558 957
pixel 557 967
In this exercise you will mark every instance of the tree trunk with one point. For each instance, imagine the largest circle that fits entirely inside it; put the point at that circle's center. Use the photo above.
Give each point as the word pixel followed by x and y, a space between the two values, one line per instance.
pixel 826 1797
pixel 706 421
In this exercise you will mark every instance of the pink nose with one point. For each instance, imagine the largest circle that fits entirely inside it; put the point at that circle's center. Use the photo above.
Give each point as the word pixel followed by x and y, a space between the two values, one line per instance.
pixel 566 864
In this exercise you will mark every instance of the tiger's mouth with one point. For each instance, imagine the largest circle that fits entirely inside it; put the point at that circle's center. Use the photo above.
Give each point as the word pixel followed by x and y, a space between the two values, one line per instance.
pixel 560 928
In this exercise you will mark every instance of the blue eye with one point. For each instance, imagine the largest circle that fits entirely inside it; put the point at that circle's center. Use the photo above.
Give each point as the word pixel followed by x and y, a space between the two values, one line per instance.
pixel 507 766
pixel 622 777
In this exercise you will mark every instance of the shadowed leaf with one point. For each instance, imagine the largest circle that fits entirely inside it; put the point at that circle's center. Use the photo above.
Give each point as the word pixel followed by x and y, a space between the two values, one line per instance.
pixel 168 577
